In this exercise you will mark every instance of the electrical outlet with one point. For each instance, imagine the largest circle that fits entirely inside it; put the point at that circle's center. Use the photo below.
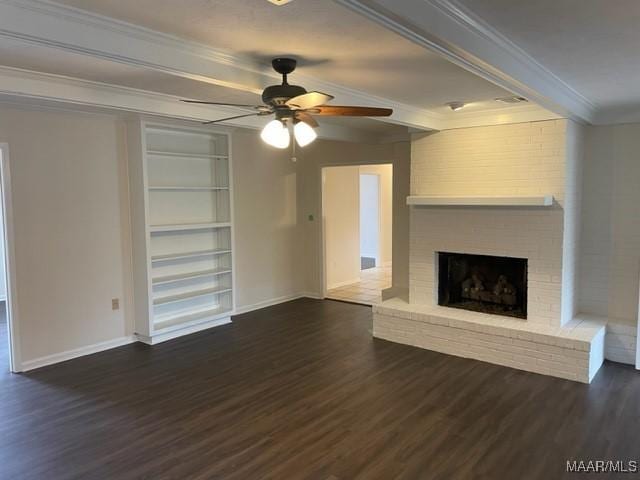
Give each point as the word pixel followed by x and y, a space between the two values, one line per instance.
pixel 115 304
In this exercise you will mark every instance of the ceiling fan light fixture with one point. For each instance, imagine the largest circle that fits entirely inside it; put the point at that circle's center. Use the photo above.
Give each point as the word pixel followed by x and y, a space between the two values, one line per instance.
pixel 304 134
pixel 275 134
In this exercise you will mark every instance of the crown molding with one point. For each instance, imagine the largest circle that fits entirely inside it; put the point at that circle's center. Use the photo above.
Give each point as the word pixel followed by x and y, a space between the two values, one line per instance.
pixel 44 23
pixel 446 27
pixel 74 94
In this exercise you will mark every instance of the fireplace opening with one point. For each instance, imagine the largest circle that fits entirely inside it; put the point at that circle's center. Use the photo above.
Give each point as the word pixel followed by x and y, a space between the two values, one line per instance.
pixel 482 283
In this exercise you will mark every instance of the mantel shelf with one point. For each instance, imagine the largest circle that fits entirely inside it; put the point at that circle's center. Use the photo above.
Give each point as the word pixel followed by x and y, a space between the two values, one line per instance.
pixel 445 201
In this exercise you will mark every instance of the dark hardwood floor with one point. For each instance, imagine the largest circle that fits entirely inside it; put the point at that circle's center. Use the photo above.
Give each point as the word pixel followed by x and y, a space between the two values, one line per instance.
pixel 302 391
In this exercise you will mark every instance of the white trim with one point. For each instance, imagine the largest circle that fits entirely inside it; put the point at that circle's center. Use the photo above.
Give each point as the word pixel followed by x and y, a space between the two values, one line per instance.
pixel 157 338
pixel 47 24
pixel 13 322
pixel 313 295
pixel 17 83
pixel 343 284
pixel 638 334
pixel 430 200
pixel 446 27
pixel 267 303
pixel 75 353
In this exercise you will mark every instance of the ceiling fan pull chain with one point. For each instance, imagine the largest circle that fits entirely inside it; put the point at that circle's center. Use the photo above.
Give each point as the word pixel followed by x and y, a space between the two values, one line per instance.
pixel 293 152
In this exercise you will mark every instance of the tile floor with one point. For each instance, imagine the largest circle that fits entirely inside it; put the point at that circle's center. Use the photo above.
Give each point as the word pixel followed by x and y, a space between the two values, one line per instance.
pixel 368 290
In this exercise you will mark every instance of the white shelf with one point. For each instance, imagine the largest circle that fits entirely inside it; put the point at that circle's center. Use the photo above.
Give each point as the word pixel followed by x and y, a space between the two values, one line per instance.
pixel 187 226
pixel 185 255
pixel 443 201
pixel 181 191
pixel 187 295
pixel 186 189
pixel 163 153
pixel 185 276
pixel 184 320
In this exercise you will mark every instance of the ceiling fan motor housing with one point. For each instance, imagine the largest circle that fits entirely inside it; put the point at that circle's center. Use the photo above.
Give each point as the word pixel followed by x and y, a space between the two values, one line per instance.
pixel 278 94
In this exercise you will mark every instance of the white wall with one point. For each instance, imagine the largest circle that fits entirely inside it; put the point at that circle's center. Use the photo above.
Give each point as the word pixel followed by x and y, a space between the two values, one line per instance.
pixel 572 234
pixel 3 278
pixel 370 216
pixel 72 236
pixel 71 230
pixel 341 218
pixel 332 153
pixel 72 226
pixel 266 233
pixel 610 253
pixel 385 173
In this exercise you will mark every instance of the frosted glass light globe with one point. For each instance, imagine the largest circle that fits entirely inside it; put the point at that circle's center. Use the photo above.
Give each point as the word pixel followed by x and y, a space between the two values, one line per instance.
pixel 275 134
pixel 304 134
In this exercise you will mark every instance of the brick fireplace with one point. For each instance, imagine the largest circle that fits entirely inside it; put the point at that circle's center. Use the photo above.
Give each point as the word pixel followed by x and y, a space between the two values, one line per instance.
pixel 479 190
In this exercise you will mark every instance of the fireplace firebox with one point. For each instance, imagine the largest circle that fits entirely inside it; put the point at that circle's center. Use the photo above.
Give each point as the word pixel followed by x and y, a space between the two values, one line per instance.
pixel 483 283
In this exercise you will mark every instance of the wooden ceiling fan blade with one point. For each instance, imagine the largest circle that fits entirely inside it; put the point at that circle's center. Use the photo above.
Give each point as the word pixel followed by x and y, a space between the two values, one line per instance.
pixel 346 111
pixel 308 100
pixel 306 118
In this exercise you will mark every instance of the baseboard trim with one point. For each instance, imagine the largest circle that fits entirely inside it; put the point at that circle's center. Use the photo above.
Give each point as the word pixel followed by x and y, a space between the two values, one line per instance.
pixel 342 284
pixel 75 353
pixel 163 337
pixel 269 303
pixel 314 295
pixel 156 339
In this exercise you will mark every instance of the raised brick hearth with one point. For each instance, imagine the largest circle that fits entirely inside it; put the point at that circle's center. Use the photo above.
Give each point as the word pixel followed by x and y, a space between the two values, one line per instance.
pixel 527 160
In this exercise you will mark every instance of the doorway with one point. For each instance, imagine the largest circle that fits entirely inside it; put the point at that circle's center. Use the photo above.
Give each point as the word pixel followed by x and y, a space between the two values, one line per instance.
pixel 357 215
pixel 8 335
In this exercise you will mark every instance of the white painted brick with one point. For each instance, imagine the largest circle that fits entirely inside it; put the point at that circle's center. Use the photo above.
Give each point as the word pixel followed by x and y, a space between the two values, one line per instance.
pixel 558 356
pixel 519 159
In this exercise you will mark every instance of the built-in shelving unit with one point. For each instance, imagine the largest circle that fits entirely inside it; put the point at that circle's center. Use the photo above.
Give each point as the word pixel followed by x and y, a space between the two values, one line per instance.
pixel 445 201
pixel 183 229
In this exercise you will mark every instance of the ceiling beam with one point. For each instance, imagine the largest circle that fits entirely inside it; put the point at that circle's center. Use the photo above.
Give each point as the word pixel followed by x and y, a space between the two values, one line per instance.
pixel 51 25
pixel 446 27
pixel 18 83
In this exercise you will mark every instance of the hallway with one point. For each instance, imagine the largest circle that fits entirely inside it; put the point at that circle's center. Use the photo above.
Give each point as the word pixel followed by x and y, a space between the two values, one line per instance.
pixel 368 290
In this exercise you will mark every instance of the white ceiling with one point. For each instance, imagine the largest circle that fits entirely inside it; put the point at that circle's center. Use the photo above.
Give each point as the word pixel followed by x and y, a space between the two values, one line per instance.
pixel 49 60
pixel 592 45
pixel 60 62
pixel 332 43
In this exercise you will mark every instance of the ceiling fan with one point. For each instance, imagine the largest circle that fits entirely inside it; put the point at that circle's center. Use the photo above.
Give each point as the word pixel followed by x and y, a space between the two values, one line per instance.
pixel 294 107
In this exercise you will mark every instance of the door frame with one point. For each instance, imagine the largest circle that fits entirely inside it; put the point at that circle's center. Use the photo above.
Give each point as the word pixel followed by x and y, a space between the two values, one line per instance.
pixel 321 248
pixel 638 333
pixel 13 325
